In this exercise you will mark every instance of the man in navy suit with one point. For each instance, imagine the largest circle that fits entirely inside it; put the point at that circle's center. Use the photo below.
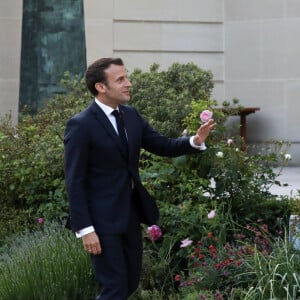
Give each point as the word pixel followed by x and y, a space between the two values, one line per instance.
pixel 106 198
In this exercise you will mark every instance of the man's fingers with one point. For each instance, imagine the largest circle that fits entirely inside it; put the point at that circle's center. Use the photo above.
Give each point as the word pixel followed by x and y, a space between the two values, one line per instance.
pixel 91 243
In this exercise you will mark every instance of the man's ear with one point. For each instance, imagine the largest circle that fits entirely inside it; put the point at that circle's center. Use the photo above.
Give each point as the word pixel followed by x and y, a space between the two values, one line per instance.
pixel 100 87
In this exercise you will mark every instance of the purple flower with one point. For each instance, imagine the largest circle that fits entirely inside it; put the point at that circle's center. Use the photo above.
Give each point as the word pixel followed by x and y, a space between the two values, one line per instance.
pixel 154 232
pixel 185 243
pixel 40 220
pixel 206 115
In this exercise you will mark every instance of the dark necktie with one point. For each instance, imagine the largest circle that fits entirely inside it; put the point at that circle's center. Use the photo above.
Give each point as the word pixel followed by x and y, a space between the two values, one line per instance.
pixel 121 129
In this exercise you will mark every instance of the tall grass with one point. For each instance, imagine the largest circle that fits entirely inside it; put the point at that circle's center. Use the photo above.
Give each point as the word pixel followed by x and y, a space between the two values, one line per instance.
pixel 275 276
pixel 48 264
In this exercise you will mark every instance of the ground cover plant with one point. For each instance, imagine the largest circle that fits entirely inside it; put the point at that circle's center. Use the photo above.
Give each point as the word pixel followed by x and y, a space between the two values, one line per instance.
pixel 46 264
pixel 224 235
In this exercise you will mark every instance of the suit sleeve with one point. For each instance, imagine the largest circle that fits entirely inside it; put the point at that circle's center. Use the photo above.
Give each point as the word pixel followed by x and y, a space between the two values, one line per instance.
pixel 156 143
pixel 76 142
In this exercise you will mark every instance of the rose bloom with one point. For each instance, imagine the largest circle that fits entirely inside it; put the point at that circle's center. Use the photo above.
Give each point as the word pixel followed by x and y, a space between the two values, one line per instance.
pixel 287 156
pixel 40 220
pixel 229 141
pixel 212 214
pixel 206 115
pixel 219 154
pixel 154 232
pixel 185 243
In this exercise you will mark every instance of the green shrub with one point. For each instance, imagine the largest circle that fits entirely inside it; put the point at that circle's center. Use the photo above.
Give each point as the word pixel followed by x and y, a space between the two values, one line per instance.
pixel 239 193
pixel 233 183
pixel 47 264
pixel 256 265
pixel 164 97
pixel 31 160
pixel 275 276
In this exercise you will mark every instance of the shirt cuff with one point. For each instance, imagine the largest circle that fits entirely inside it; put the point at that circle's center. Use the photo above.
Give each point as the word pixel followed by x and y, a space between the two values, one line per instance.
pixel 84 231
pixel 199 147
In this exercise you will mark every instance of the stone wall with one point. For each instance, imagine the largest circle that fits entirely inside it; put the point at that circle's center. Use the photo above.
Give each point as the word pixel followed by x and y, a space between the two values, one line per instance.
pixel 10 35
pixel 262 68
pixel 143 32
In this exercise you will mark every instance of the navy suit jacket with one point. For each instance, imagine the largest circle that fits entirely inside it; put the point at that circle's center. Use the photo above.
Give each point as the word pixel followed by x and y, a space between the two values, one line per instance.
pixel 98 175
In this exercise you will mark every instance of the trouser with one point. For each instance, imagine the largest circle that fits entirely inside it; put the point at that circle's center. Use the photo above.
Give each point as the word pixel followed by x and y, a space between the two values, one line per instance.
pixel 118 267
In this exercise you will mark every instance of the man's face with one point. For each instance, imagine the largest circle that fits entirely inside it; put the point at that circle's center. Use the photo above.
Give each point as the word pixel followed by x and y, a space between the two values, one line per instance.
pixel 117 89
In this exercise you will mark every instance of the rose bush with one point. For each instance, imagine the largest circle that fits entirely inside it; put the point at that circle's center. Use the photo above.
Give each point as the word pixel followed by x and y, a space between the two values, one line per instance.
pixel 205 196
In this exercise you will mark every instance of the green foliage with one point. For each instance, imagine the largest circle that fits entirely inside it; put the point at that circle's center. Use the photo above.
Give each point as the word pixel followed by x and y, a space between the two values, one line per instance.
pixel 31 160
pixel 294 204
pixel 276 276
pixel 47 264
pixel 157 271
pixel 234 183
pixel 12 221
pixel 164 97
pixel 256 265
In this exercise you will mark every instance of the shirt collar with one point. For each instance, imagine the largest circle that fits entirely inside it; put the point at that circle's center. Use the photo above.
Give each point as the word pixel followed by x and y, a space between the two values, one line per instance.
pixel 107 109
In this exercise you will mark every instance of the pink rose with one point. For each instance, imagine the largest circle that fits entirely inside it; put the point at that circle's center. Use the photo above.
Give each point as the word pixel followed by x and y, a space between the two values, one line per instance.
pixel 154 232
pixel 40 220
pixel 211 215
pixel 229 141
pixel 206 115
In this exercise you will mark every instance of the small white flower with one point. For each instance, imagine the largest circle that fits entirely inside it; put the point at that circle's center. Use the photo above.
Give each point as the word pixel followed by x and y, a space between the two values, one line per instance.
pixel 185 132
pixel 229 141
pixel 219 154
pixel 287 156
pixel 237 149
pixel 185 243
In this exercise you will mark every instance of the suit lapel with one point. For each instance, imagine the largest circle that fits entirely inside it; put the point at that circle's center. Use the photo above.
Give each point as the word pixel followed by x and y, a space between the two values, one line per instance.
pixel 106 124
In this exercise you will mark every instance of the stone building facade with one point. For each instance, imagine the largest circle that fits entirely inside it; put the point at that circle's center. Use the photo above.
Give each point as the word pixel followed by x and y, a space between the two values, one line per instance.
pixel 252 48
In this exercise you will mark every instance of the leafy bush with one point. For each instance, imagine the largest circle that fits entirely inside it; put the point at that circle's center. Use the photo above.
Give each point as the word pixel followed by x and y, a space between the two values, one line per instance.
pixel 164 97
pixel 31 160
pixel 256 265
pixel 234 184
pixel 47 264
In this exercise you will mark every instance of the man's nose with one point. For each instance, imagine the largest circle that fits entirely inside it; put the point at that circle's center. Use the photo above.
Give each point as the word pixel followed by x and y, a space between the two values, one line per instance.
pixel 128 83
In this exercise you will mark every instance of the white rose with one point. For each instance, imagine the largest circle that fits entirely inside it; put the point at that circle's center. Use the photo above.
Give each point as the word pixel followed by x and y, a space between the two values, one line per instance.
pixel 287 156
pixel 229 141
pixel 219 154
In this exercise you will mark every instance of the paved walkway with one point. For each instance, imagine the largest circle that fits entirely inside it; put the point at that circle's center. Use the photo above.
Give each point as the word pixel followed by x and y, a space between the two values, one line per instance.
pixel 291 176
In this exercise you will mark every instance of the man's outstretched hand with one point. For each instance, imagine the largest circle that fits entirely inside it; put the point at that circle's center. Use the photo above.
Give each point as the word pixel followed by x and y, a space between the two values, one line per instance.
pixel 203 131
